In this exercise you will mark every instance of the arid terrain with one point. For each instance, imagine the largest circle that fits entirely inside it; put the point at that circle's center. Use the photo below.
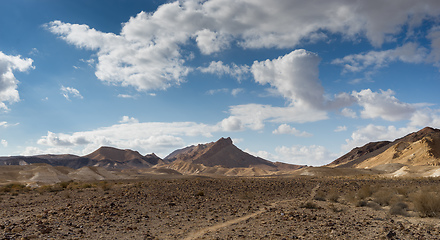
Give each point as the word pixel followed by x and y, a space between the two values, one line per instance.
pixel 289 207
pixel 382 190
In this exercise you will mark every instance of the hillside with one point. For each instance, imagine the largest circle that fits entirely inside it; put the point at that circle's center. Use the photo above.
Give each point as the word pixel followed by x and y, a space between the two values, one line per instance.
pixel 110 157
pixel 222 157
pixel 420 148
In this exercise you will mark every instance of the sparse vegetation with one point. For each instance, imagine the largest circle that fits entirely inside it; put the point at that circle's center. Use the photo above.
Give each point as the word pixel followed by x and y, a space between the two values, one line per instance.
pixel 427 203
pixel 310 205
pixel 320 195
pixel 399 208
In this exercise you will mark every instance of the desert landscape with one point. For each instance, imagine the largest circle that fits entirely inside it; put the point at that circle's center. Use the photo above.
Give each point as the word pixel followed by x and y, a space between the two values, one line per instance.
pixel 383 190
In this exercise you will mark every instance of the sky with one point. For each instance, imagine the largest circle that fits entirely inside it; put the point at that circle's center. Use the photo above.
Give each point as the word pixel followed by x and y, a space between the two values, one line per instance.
pixel 294 81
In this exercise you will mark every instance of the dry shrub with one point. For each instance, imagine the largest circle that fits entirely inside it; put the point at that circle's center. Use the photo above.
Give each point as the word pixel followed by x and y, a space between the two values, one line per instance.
pixel 104 185
pixel 373 205
pixel 309 205
pixel 200 194
pixel 384 196
pixel 333 195
pixel 320 195
pixel 361 203
pixel 426 203
pixel 365 192
pixel 399 208
pixel 14 188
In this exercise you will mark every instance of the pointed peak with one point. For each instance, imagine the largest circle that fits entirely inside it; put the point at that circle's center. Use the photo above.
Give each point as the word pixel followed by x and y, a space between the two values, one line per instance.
pixel 225 141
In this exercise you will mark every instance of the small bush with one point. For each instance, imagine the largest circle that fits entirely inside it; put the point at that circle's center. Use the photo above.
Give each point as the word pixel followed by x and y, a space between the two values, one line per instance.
pixel 333 196
pixel 320 195
pixel 384 197
pixel 200 194
pixel 104 185
pixel 365 192
pixel 426 203
pixel 86 185
pixel 310 205
pixel 361 203
pixel 14 188
pixel 399 208
pixel 65 184
pixel 373 205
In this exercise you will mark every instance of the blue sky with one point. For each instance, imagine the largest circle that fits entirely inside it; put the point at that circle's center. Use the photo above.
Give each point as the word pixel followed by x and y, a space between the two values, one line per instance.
pixel 300 82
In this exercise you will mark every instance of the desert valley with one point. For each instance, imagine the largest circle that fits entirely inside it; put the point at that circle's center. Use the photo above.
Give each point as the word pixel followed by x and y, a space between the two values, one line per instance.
pixel 382 190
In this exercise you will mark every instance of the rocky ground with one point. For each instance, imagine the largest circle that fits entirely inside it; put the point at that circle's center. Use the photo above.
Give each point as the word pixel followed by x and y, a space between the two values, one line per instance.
pixel 222 208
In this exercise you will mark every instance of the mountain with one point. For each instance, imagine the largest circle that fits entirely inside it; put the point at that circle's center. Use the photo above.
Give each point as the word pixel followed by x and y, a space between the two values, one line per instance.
pixel 222 155
pixel 420 148
pixel 113 158
pixel 107 157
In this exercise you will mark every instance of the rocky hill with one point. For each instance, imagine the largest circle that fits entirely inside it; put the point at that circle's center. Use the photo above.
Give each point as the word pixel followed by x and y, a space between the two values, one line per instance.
pixel 420 148
pixel 113 158
pixel 107 157
pixel 222 157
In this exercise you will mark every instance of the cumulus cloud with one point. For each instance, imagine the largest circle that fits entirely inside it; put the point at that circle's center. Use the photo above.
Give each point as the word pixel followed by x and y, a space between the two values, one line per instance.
pixel 374 133
pixel 294 75
pixel 347 112
pixel 8 82
pixel 254 116
pixel 147 53
pixel 426 117
pixel 69 91
pixel 231 124
pixel 341 129
pixel 233 70
pixel 286 129
pixel 129 133
pixel 383 105
pixel 127 119
pixel 4 143
pixel 314 155
pixel 409 53
pixel 210 42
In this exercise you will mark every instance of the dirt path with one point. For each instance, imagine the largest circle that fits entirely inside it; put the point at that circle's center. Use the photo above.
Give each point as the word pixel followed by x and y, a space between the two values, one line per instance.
pixel 203 231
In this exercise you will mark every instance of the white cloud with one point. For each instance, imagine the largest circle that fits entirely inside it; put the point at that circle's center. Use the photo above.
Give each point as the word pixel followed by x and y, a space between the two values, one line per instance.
pixel 231 124
pixel 127 119
pixel 210 42
pixel 147 53
pixel 294 75
pixel 215 91
pixel 4 143
pixel 126 96
pixel 383 105
pixel 286 129
pixel 68 91
pixel 236 91
pixel 8 82
pixel 409 53
pixel 305 155
pixel 149 136
pixel 426 117
pixel 219 68
pixel 347 112
pixel 6 124
pixel 253 116
pixel 341 129
pixel 374 133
